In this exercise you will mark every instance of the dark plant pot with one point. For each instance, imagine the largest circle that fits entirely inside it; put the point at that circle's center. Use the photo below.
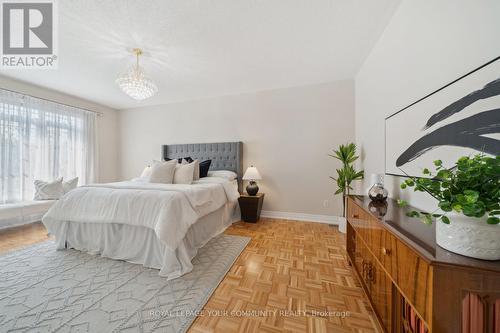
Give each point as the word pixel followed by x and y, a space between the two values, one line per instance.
pixel 252 188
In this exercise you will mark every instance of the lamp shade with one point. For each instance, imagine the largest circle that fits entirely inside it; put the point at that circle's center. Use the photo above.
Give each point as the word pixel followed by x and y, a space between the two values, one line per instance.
pixel 252 174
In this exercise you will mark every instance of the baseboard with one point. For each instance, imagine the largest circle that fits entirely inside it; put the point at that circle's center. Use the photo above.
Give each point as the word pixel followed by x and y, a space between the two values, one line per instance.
pixel 330 219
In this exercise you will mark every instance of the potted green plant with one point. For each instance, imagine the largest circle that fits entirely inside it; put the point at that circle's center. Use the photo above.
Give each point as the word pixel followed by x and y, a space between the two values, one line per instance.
pixel 346 154
pixel 468 205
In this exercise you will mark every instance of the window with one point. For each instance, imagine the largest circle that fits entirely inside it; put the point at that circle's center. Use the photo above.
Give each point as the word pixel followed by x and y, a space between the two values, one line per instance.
pixel 40 139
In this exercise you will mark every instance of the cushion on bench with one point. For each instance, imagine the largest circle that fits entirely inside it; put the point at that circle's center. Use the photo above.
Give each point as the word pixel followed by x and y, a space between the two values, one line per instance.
pixel 23 212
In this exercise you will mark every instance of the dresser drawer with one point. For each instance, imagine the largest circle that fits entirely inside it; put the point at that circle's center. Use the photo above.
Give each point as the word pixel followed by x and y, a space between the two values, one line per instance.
pixel 377 284
pixel 361 255
pixel 356 212
pixel 384 249
pixel 359 219
pixel 381 294
pixel 377 239
pixel 413 276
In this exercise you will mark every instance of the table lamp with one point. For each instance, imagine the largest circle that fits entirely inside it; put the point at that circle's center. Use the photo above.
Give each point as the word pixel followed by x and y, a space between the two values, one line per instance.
pixel 252 174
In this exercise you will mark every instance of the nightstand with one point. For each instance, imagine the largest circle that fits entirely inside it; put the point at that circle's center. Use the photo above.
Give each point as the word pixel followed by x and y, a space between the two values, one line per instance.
pixel 250 206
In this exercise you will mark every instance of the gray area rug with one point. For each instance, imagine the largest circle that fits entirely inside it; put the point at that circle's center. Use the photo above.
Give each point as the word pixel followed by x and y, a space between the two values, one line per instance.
pixel 44 290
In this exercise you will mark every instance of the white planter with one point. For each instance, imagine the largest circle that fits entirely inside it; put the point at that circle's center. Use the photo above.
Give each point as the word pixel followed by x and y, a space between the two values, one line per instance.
pixel 342 224
pixel 469 236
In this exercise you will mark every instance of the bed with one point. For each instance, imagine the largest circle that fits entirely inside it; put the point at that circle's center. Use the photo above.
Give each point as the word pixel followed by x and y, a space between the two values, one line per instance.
pixel 160 226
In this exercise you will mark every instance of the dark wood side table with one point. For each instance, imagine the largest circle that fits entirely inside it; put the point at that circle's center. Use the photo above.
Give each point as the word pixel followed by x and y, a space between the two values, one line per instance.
pixel 250 206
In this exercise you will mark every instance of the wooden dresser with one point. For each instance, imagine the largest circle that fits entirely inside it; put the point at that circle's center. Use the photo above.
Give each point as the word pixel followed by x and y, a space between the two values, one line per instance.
pixel 413 284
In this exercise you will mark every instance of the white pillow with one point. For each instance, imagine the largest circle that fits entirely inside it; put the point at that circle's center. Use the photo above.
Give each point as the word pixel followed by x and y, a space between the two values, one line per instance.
pixel 226 174
pixel 70 185
pixel 146 173
pixel 184 173
pixel 162 172
pixel 196 174
pixel 48 190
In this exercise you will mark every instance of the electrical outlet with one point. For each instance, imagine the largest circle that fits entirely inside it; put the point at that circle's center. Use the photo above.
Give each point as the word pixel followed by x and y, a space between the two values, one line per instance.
pixel 326 203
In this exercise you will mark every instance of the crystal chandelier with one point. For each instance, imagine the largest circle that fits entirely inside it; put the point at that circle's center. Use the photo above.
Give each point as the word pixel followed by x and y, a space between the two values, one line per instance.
pixel 135 83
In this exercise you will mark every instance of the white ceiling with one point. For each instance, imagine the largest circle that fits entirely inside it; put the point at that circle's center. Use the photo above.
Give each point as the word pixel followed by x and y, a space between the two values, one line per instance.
pixel 198 49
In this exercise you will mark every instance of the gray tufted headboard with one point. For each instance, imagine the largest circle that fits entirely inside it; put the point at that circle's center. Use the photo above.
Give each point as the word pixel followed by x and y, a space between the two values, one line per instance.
pixel 224 155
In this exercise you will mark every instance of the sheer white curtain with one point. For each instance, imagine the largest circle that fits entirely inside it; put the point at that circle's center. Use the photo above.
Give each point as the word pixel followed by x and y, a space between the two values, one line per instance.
pixel 43 140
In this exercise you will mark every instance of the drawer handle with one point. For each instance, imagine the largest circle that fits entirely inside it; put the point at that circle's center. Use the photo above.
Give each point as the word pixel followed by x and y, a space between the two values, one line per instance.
pixel 368 271
pixel 386 252
pixel 355 216
pixel 370 275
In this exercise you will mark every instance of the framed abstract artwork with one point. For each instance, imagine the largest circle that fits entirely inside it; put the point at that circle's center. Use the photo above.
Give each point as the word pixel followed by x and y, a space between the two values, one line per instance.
pixel 459 119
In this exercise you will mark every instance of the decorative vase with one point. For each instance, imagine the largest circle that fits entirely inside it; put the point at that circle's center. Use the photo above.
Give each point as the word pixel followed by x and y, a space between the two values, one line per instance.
pixel 469 236
pixel 252 188
pixel 377 192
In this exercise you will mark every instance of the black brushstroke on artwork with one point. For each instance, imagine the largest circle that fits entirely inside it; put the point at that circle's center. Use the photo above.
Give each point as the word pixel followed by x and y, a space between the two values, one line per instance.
pixel 489 90
pixel 463 133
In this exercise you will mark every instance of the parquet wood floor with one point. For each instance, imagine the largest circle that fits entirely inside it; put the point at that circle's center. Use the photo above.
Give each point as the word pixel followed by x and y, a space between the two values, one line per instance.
pixel 298 272
pixel 17 237
pixel 292 277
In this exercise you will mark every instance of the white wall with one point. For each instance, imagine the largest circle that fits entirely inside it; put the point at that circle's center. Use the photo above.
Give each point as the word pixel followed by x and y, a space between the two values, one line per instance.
pixel 287 134
pixel 107 123
pixel 426 45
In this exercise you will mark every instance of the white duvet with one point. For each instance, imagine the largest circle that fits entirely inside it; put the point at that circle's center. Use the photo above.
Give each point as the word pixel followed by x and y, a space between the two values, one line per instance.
pixel 168 209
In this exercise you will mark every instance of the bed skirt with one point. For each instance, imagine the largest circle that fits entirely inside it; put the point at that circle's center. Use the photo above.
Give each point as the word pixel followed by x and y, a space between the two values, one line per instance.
pixel 140 245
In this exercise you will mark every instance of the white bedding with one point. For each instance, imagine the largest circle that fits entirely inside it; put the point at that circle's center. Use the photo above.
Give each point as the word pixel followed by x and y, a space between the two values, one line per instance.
pixel 168 209
pixel 157 225
pixel 140 245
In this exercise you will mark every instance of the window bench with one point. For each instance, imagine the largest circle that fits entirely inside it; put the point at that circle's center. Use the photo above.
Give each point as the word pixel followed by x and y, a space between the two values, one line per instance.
pixel 23 212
